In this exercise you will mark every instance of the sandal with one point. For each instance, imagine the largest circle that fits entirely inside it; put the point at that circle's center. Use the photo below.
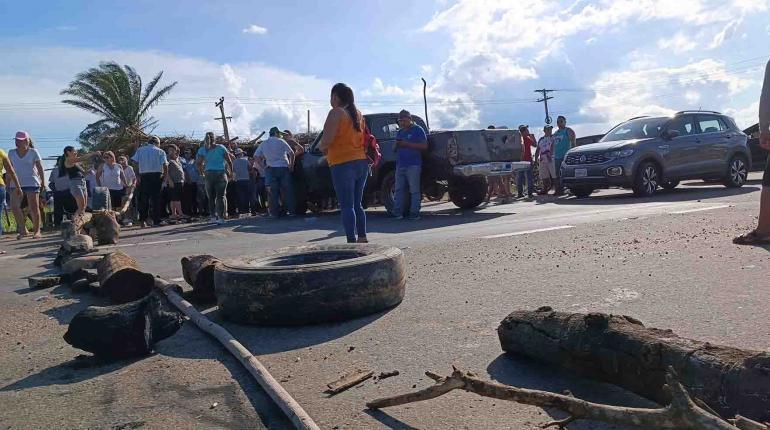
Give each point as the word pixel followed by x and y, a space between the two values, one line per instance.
pixel 21 236
pixel 37 235
pixel 751 238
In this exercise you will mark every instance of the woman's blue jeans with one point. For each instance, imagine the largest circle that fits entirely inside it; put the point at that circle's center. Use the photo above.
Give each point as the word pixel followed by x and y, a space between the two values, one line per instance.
pixel 349 180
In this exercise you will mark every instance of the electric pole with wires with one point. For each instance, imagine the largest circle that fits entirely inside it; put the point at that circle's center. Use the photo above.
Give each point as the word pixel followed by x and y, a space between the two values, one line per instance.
pixel 221 105
pixel 545 99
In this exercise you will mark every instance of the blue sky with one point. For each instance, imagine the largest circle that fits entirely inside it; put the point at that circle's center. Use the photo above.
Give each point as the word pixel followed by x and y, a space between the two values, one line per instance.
pixel 274 60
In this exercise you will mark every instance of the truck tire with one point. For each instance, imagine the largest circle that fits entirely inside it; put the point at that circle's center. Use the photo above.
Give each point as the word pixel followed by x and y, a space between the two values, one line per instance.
pixel 100 201
pixel 310 284
pixel 388 190
pixel 467 193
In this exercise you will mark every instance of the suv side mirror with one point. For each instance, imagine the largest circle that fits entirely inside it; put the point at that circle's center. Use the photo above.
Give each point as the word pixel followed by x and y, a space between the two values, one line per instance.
pixel 670 134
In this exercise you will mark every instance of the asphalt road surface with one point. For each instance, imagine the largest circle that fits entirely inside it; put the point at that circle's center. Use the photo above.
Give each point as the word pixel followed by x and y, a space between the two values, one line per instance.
pixel 667 261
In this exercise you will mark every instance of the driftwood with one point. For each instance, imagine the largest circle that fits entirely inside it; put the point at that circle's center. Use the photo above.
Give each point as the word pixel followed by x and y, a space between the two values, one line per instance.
pixel 280 396
pixel 43 281
pixel 350 380
pixel 123 331
pixel 103 227
pixel 121 280
pixel 73 246
pixel 622 351
pixel 198 271
pixel 81 263
pixel 682 413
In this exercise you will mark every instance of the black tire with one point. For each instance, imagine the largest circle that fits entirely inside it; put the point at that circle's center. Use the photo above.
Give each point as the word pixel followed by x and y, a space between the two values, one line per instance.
pixel 388 190
pixel 311 284
pixel 647 179
pixel 581 192
pixel 669 185
pixel 737 172
pixel 100 201
pixel 467 193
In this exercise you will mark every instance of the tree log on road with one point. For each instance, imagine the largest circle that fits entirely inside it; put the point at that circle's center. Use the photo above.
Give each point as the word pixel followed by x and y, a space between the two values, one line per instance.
pixel 683 413
pixel 622 351
pixel 103 227
pixel 124 331
pixel 198 271
pixel 121 280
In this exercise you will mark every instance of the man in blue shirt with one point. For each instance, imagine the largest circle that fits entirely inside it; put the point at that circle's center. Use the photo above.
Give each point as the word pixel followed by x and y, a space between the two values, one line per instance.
pixel 152 167
pixel 564 141
pixel 411 140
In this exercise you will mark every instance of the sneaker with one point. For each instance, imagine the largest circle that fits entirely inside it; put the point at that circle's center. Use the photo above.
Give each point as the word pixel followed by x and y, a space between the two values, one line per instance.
pixel 213 220
pixel 399 217
pixel 414 218
pixel 128 224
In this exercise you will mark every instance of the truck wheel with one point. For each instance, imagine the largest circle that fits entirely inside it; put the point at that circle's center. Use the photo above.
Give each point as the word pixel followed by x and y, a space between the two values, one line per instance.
pixel 311 284
pixel 388 190
pixel 737 171
pixel 467 193
pixel 100 201
pixel 581 192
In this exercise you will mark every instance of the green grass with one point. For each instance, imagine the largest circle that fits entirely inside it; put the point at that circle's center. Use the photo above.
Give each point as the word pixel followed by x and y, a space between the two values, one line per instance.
pixel 10 221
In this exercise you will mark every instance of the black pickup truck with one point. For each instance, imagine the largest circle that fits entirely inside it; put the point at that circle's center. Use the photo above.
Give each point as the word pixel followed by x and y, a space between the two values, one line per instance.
pixel 456 161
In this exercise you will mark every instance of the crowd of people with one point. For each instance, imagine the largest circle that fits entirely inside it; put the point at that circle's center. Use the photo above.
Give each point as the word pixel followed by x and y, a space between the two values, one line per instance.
pixel 162 185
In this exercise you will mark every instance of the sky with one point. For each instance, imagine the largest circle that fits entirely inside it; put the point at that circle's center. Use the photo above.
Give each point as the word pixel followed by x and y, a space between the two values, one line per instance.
pixel 273 61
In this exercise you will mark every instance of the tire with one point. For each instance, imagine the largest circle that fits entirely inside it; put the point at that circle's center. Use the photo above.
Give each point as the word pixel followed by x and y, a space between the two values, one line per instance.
pixel 311 284
pixel 581 192
pixel 100 201
pixel 737 171
pixel 388 191
pixel 669 185
pixel 647 179
pixel 467 193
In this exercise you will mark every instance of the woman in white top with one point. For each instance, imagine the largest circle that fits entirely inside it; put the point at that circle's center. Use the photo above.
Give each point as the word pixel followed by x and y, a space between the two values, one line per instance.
pixel 110 175
pixel 29 169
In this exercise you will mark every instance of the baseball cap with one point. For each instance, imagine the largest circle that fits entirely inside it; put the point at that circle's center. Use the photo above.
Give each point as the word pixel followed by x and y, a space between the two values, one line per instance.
pixel 523 126
pixel 547 126
pixel 404 114
pixel 22 135
pixel 275 131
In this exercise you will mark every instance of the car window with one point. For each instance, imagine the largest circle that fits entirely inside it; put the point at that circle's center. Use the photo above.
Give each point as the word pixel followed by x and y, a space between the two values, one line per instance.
pixel 384 127
pixel 642 128
pixel 710 124
pixel 683 124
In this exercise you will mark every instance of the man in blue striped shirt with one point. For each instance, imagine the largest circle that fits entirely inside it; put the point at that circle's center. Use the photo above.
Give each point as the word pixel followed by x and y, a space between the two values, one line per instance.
pixel 152 167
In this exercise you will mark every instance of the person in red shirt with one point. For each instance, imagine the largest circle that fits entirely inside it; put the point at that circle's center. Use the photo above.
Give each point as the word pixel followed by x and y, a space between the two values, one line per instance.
pixel 527 142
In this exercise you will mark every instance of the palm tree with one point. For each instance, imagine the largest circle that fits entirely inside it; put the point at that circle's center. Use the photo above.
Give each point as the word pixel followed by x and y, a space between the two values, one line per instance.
pixel 115 94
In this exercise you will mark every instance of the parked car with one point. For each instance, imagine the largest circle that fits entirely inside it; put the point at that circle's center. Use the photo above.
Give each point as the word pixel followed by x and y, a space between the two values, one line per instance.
pixel 644 153
pixel 457 162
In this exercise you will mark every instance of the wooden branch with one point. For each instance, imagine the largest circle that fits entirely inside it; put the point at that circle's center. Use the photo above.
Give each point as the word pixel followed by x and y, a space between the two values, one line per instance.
pixel 683 413
pixel 349 380
pixel 280 396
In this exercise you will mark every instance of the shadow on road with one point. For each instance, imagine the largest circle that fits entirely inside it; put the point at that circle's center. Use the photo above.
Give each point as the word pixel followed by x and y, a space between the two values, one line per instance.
pixel 388 421
pixel 664 196
pixel 79 369
pixel 525 373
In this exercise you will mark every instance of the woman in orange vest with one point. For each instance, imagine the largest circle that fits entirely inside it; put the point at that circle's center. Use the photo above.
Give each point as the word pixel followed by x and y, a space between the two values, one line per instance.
pixel 343 144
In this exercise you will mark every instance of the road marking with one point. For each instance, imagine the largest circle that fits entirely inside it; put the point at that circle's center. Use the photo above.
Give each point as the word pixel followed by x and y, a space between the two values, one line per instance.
pixel 519 233
pixel 709 208
pixel 157 242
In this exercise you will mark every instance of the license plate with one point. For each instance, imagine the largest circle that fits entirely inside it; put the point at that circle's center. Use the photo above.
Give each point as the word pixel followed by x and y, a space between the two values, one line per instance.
pixel 581 173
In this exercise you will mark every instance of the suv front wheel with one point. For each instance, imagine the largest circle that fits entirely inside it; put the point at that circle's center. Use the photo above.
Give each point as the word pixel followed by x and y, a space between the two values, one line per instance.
pixel 737 171
pixel 647 179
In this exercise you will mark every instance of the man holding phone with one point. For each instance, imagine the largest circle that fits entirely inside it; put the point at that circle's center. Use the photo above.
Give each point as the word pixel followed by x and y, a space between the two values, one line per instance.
pixel 411 140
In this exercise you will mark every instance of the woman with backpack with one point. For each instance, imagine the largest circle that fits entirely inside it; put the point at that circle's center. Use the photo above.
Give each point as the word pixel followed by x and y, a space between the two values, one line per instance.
pixel 343 144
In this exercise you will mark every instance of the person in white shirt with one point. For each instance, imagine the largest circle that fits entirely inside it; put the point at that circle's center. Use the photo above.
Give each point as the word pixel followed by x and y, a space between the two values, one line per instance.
pixel 27 163
pixel 128 173
pixel 111 176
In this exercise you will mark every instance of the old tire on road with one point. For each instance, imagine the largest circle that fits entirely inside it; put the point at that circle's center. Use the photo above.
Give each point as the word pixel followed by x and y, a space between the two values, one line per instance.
pixel 310 284
pixel 467 193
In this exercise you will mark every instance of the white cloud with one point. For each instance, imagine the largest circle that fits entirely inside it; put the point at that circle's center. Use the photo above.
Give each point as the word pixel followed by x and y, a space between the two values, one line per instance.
pixel 380 89
pixel 255 29
pixel 677 43
pixel 727 33
pixel 745 117
pixel 234 81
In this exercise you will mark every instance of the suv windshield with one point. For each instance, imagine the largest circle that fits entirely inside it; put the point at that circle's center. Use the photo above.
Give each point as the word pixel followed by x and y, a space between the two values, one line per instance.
pixel 642 128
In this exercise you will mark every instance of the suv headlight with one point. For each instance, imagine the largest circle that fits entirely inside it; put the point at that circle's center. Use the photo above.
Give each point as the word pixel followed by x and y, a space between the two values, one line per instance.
pixel 620 153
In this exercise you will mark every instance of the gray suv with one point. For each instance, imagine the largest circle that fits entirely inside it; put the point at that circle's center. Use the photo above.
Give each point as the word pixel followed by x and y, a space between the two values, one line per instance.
pixel 644 153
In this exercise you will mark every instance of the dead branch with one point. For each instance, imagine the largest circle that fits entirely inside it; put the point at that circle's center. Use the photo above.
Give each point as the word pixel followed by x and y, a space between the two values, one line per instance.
pixel 682 413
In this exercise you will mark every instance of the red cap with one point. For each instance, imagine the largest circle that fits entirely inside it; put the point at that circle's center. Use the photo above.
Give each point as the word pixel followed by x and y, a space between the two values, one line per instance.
pixel 22 135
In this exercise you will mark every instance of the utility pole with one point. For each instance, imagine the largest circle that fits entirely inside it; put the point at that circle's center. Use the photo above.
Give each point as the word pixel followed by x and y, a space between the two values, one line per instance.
pixel 308 122
pixel 545 99
pixel 221 105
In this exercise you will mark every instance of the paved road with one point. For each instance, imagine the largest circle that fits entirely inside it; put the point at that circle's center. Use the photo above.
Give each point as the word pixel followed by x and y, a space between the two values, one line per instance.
pixel 667 261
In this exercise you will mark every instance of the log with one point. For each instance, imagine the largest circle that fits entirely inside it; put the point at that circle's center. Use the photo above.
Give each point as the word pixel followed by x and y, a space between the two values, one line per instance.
pixel 198 271
pixel 124 331
pixel 78 243
pixel 121 280
pixel 43 281
pixel 289 406
pixel 622 351
pixel 103 227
